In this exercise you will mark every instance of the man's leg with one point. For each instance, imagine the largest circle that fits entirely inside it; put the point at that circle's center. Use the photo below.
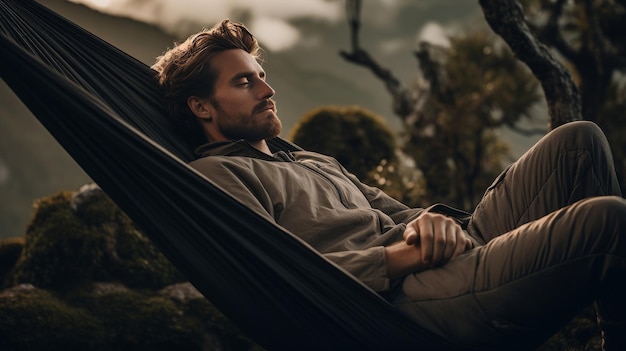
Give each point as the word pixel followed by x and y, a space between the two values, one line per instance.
pixel 570 163
pixel 522 286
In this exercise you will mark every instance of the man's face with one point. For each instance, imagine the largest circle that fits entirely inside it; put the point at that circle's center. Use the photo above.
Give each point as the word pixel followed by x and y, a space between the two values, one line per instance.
pixel 241 105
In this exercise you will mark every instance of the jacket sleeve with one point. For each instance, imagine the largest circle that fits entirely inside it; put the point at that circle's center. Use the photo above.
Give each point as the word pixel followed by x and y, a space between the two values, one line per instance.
pixel 368 265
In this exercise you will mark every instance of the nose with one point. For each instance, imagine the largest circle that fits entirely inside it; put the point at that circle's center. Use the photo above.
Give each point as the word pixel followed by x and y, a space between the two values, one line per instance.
pixel 265 90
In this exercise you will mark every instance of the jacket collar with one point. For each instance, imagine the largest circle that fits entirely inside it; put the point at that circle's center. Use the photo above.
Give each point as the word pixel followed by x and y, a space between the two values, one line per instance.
pixel 236 148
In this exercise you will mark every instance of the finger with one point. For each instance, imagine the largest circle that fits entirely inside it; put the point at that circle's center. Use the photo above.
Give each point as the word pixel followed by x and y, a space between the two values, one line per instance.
pixel 462 242
pixel 468 242
pixel 425 234
pixel 452 243
pixel 439 241
pixel 410 234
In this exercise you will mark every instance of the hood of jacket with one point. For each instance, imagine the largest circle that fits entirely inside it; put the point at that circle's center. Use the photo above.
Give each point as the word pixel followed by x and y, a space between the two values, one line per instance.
pixel 239 148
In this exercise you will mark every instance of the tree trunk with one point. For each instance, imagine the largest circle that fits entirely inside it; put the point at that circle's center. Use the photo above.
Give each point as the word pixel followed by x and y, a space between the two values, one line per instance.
pixel 506 18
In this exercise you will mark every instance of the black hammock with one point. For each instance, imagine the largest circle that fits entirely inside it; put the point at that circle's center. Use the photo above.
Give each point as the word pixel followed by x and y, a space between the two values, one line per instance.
pixel 103 107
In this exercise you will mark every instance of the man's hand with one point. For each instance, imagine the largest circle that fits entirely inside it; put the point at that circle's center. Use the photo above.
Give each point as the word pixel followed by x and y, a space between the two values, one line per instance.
pixel 440 238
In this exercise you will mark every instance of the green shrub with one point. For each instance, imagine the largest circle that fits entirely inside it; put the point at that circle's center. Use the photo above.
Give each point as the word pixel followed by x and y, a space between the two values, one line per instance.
pixel 357 138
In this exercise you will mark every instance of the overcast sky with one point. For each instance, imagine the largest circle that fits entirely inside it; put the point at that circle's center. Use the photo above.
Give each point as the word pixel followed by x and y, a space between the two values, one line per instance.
pixel 268 19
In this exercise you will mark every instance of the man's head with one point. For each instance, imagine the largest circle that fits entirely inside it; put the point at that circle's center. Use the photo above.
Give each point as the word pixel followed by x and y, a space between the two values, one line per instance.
pixel 215 87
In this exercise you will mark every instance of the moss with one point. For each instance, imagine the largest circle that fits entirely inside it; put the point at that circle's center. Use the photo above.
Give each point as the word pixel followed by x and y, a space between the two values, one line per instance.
pixel 135 321
pixel 92 241
pixel 56 252
pixel 141 264
pixel 95 208
pixel 37 320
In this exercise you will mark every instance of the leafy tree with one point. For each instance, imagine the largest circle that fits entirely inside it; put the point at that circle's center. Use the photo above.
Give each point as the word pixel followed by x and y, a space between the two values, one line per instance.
pixel 340 131
pixel 465 93
pixel 454 140
pixel 361 141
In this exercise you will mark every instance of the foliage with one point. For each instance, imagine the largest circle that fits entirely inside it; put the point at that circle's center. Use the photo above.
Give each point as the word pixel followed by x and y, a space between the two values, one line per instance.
pixel 342 131
pixel 401 180
pixel 480 87
pixel 468 90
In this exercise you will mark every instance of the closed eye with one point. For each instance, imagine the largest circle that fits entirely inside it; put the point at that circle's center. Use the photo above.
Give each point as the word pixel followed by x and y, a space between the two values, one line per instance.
pixel 247 78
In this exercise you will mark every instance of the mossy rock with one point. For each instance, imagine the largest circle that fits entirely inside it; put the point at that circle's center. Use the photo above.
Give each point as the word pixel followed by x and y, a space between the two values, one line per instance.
pixel 88 279
pixel 71 242
pixel 34 319
pixel 136 321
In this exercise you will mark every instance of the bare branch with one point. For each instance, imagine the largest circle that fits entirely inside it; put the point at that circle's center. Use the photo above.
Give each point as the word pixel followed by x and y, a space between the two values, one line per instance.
pixel 402 102
pixel 506 18
pixel 353 12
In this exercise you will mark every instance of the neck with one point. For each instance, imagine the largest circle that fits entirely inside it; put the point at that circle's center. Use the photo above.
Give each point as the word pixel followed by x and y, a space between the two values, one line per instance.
pixel 262 146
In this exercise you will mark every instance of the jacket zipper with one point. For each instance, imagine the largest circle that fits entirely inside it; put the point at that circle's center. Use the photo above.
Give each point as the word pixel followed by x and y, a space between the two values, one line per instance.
pixel 315 170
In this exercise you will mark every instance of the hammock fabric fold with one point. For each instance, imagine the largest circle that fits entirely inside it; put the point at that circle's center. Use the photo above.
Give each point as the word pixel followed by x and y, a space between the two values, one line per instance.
pixel 103 107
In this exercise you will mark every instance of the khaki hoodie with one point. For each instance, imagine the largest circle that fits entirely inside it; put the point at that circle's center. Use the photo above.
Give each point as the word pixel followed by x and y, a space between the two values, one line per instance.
pixel 313 197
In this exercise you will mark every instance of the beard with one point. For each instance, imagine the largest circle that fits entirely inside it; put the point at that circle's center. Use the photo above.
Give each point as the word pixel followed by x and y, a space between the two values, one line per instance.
pixel 251 128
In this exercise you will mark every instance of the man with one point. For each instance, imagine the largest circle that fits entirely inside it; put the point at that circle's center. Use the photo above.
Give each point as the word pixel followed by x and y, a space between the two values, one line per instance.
pixel 545 240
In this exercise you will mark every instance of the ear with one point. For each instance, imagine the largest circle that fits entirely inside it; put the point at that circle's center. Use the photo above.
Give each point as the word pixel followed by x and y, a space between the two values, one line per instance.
pixel 199 107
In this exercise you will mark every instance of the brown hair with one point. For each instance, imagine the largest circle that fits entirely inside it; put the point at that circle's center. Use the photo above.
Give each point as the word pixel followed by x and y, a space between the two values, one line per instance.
pixel 185 71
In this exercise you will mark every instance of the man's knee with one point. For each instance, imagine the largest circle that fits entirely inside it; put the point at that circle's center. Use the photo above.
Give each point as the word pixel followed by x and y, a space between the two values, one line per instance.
pixel 586 133
pixel 611 208
pixel 604 218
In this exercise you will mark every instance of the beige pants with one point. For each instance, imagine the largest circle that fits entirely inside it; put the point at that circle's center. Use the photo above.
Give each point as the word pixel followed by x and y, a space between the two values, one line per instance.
pixel 553 233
